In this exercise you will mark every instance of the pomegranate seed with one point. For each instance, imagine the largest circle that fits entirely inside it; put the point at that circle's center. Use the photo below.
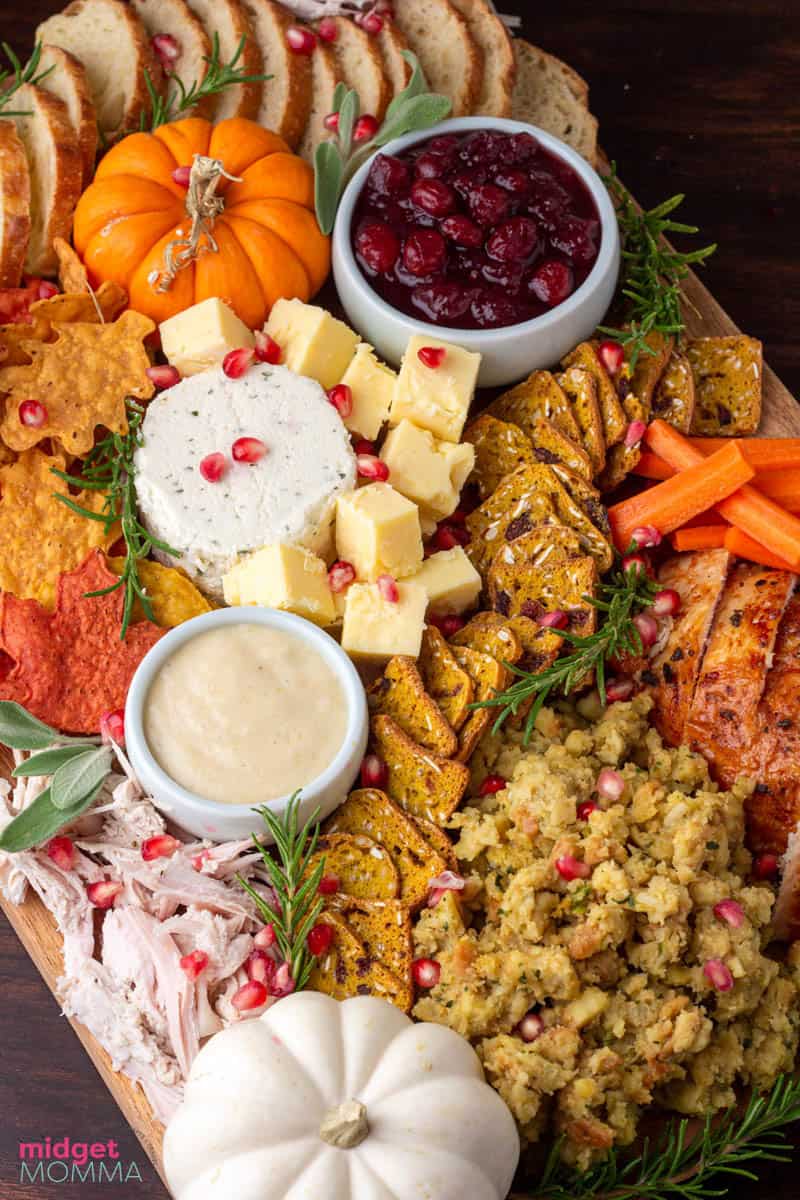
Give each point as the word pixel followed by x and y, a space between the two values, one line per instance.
pixel 166 48
pixel 47 290
pixel 363 446
pixel 365 128
pixel 163 377
pixel 765 866
pixel 374 772
pixel 251 995
pixel 328 885
pixel 213 467
pixel 645 536
pixel 636 563
pixel 267 349
pixel 431 356
pixel 570 868
pixel 327 30
pixel 667 603
pixel 341 397
pixel 426 972
pixel 32 413
pixel 265 937
pixel 372 23
pixel 112 726
pixel 610 784
pixel 301 41
pixel 340 576
pixel 718 975
pixel 163 845
pixel 248 450
pixel 387 586
pixel 236 362
pixel 448 536
pixel 731 912
pixel 331 122
pixel 283 984
pixel 448 624
pixel 62 851
pixel 586 808
pixel 261 968
pixel 104 893
pixel 199 859
pixel 557 619
pixel 492 784
pixel 647 628
pixel 611 355
pixel 320 939
pixel 194 964
pixel 182 176
pixel 369 466
pixel 618 689
pixel 448 881
pixel 530 1027
pixel 458 516
pixel 634 433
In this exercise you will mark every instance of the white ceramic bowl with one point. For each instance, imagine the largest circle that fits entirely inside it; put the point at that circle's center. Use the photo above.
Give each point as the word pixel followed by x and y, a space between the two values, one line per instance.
pixel 509 353
pixel 223 822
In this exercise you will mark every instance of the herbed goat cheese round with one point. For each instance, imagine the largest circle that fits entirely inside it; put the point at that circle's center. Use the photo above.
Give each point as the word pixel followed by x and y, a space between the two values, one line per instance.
pixel 289 495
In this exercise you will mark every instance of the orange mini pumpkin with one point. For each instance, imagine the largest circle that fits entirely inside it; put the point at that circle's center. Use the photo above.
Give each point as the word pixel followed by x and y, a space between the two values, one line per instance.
pixel 257 237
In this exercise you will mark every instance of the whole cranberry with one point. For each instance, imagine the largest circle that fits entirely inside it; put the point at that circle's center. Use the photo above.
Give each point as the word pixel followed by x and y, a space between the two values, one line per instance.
pixel 462 231
pixel 430 165
pixel 513 180
pixel 443 302
pixel 548 199
pixel 388 175
pixel 492 308
pixel 551 282
pixel 577 238
pixel 465 182
pixel 488 204
pixel 485 146
pixel 433 196
pixel 445 143
pixel 521 149
pixel 514 240
pixel 424 252
pixel 377 246
pixel 508 276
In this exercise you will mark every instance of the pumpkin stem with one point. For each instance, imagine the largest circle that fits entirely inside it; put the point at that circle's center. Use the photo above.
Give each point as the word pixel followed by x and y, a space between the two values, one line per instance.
pixel 203 206
pixel 345 1126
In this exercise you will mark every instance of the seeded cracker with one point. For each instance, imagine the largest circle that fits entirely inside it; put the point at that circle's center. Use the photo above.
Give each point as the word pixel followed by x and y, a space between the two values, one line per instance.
pixel 622 459
pixel 649 369
pixel 364 869
pixel 438 838
pixel 581 389
pixel 489 677
pixel 172 595
pixel 674 397
pixel 347 969
pixel 537 396
pixel 529 578
pixel 420 782
pixel 384 926
pixel 611 411
pixel 498 639
pixel 450 687
pixel 727 379
pixel 500 448
pixel 536 642
pixel 400 694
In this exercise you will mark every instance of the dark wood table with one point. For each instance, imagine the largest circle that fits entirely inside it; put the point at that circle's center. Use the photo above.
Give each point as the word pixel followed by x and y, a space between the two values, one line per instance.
pixel 694 96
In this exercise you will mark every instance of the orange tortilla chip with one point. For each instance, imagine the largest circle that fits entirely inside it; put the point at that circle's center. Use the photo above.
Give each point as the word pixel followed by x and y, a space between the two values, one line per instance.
pixel 82 378
pixel 71 666
pixel 94 309
pixel 72 273
pixel 40 537
pixel 172 595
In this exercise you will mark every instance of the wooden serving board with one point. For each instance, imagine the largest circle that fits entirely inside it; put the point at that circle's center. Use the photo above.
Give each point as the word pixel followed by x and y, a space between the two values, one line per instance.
pixel 36 928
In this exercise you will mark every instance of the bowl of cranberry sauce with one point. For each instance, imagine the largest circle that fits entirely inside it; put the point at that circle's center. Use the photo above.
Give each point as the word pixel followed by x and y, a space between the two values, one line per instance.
pixel 493 234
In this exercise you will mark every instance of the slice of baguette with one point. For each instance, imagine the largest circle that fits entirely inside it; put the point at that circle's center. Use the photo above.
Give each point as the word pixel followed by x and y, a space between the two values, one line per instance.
pixel 500 69
pixel 391 44
pixel 449 55
pixel 360 64
pixel 110 40
pixel 15 201
pixel 68 81
pixel 551 95
pixel 229 21
pixel 174 17
pixel 324 78
pixel 56 169
pixel 286 97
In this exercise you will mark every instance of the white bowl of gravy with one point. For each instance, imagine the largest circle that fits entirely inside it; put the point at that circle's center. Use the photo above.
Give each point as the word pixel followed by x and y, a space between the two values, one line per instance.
pixel 240 708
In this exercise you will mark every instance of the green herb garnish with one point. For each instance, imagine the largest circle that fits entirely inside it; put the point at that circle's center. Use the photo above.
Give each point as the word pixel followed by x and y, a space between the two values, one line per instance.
pixel 622 596
pixel 679 1167
pixel 109 468
pixel 649 289
pixel 336 161
pixel 179 99
pixel 296 889
pixel 79 767
pixel 12 80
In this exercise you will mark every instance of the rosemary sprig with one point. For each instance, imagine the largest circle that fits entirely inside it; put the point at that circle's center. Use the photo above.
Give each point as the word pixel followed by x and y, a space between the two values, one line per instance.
pixel 679 1167
pixel 12 80
pixel 652 271
pixel 626 592
pixel 178 98
pixel 297 888
pixel 109 468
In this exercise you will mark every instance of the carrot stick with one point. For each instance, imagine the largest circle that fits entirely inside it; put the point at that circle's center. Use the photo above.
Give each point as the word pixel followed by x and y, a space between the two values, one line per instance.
pixel 650 466
pixel 778 480
pixel 705 519
pixel 745 547
pixel 699 537
pixel 783 487
pixel 670 504
pixel 766 454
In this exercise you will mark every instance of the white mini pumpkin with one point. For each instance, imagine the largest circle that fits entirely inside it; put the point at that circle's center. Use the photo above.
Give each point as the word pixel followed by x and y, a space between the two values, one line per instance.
pixel 325 1100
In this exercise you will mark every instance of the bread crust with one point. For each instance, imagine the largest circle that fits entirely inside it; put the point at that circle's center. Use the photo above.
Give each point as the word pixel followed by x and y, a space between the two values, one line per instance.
pixel 392 43
pixel 176 18
pixel 69 77
pixel 324 76
pixel 413 17
pixel 267 17
pixel 500 68
pixel 16 201
pixel 532 61
pixel 244 100
pixel 370 73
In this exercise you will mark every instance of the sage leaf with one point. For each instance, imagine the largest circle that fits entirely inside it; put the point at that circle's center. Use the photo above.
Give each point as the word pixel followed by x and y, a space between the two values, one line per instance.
pixel 329 173
pixel 348 115
pixel 40 821
pixel 47 762
pixel 21 731
pixel 81 775
pixel 420 112
pixel 416 85
pixel 339 93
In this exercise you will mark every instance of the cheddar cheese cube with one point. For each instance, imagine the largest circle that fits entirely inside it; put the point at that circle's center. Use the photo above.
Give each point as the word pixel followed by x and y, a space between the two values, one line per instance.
pixel 376 629
pixel 286 577
pixel 451 582
pixel 426 470
pixel 201 336
pixel 378 532
pixel 372 386
pixel 312 342
pixel 435 397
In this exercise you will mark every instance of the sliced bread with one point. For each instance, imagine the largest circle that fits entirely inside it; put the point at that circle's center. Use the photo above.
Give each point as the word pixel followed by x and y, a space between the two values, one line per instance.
pixel 56 169
pixel 15 202
pixel 391 44
pixel 500 69
pixel 286 97
pixel 67 80
pixel 324 78
pixel 176 19
pixel 110 40
pixel 449 55
pixel 551 95
pixel 360 64
pixel 229 21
